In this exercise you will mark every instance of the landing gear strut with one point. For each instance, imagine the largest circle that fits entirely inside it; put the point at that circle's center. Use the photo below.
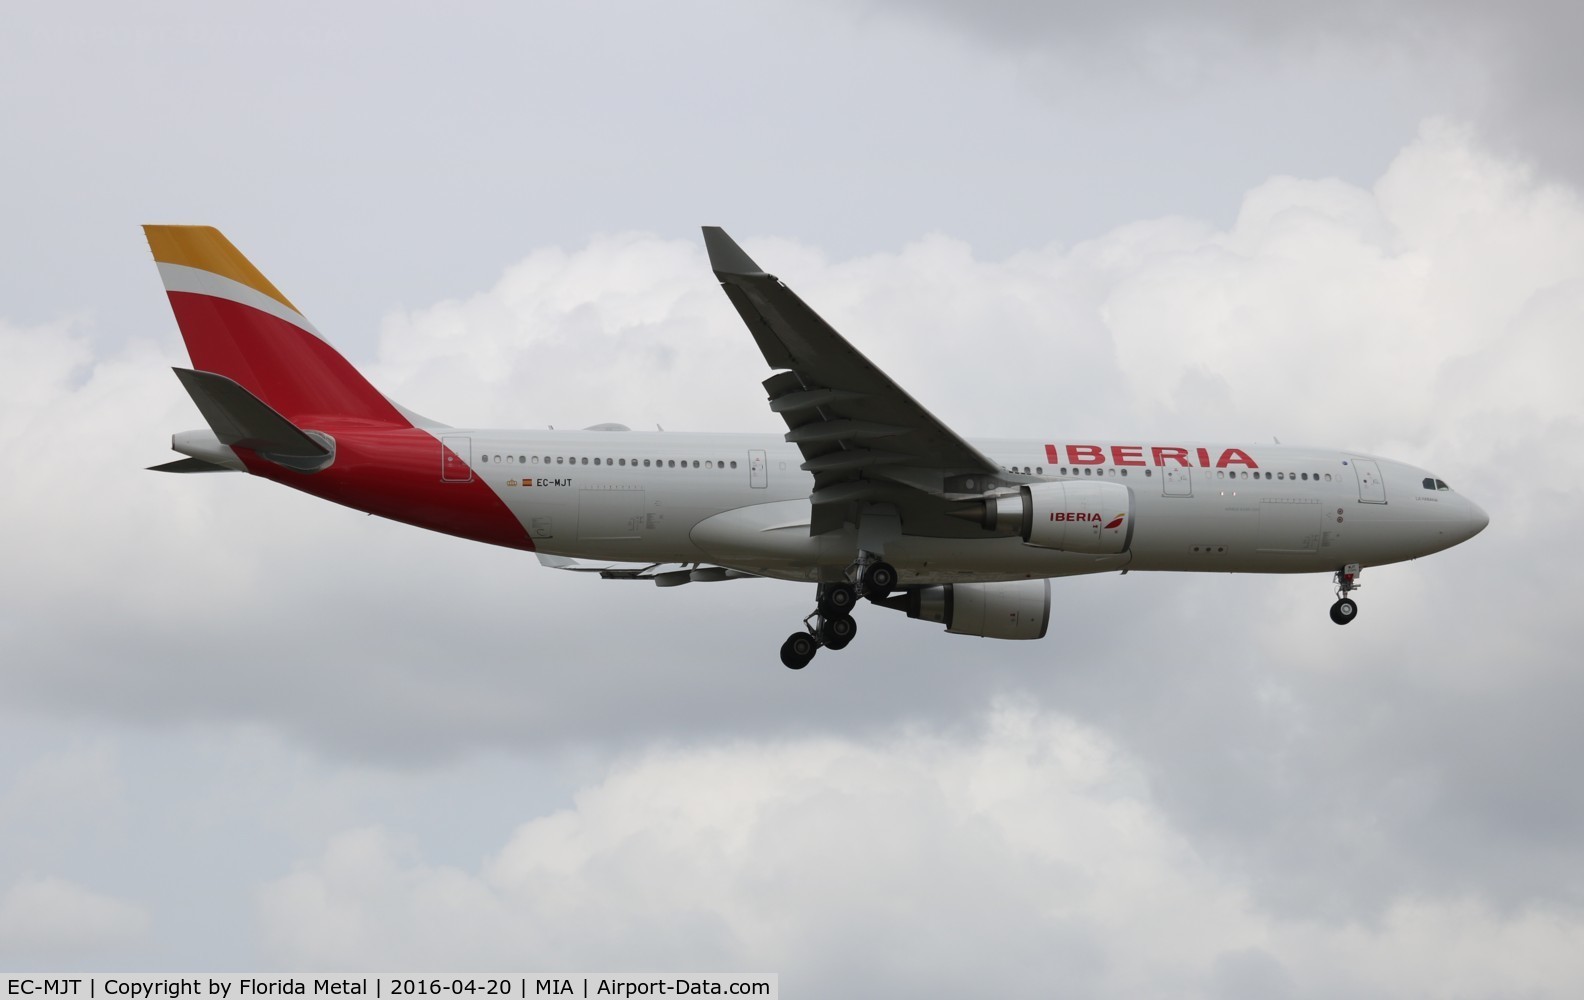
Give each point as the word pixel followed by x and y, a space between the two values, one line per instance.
pixel 832 625
pixel 833 631
pixel 1346 609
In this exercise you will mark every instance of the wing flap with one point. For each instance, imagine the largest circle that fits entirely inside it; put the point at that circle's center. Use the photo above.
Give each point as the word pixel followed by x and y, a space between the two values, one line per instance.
pixel 655 572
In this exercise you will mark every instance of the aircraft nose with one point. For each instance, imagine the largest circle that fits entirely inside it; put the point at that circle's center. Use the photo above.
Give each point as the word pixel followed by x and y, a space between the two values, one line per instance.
pixel 1477 519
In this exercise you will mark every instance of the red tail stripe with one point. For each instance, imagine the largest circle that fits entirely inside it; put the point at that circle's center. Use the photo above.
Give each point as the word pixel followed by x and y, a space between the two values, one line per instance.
pixel 289 368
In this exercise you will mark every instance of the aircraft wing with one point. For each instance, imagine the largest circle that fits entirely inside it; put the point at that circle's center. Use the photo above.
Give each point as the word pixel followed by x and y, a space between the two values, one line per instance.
pixel 861 435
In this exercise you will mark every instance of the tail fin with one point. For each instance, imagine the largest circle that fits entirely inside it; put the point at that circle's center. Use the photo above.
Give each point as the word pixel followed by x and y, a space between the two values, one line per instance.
pixel 238 325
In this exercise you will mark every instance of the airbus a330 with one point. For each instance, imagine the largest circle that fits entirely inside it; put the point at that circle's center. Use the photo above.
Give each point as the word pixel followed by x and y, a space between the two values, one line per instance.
pixel 867 495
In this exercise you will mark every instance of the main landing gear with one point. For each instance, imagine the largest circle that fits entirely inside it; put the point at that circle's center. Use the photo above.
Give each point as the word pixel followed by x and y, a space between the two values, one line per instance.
pixel 832 625
pixel 1346 609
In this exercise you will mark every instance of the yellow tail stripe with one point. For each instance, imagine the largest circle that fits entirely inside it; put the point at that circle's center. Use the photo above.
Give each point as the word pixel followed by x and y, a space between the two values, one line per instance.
pixel 205 248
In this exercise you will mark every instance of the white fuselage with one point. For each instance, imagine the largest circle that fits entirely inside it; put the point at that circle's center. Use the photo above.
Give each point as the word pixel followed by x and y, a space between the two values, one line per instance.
pixel 741 500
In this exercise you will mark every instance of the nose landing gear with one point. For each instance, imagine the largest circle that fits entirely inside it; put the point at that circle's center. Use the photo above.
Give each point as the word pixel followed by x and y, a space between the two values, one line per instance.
pixel 1346 609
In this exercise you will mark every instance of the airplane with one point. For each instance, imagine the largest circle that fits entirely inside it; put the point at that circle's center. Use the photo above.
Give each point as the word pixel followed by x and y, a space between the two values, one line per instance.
pixel 867 495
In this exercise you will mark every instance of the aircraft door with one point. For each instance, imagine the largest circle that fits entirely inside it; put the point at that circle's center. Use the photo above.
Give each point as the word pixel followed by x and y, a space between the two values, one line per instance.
pixel 758 469
pixel 456 459
pixel 1372 489
pixel 1176 481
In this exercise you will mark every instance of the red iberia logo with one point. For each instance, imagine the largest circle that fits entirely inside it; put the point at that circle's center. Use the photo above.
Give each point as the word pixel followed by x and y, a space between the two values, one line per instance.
pixel 1077 515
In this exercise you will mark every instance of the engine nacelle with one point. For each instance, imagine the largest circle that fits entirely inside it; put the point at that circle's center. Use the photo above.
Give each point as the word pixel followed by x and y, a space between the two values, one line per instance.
pixel 1092 517
pixel 1016 609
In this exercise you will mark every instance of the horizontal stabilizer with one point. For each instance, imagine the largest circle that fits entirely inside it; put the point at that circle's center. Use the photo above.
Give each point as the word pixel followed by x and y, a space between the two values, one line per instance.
pixel 240 419
pixel 189 465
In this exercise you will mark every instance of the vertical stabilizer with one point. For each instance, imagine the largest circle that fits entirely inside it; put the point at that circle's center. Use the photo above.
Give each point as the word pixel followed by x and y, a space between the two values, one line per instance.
pixel 238 324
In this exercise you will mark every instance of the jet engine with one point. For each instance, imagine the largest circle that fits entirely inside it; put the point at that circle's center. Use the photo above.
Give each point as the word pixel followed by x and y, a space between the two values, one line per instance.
pixel 1092 517
pixel 1015 609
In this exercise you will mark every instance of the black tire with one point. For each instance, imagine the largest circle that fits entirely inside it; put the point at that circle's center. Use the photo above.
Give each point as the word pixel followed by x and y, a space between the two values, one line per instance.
pixel 879 580
pixel 837 631
pixel 1344 611
pixel 837 598
pixel 798 650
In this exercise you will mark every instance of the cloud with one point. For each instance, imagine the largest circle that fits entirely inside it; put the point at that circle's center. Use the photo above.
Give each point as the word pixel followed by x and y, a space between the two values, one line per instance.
pixel 50 919
pixel 1512 73
pixel 1030 843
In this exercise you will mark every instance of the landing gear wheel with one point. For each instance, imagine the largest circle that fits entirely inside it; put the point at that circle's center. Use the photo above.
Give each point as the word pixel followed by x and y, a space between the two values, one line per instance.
pixel 798 650
pixel 837 598
pixel 878 580
pixel 837 631
pixel 1344 610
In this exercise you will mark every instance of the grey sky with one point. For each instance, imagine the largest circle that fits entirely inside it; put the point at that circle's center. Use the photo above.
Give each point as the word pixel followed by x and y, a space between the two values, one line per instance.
pixel 240 728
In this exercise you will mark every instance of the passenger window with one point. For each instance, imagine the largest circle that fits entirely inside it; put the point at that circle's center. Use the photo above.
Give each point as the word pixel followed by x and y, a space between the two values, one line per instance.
pixel 671 463
pixel 559 459
pixel 646 463
pixel 521 460
pixel 596 461
pixel 734 465
pixel 1039 470
pixel 695 463
pixel 536 460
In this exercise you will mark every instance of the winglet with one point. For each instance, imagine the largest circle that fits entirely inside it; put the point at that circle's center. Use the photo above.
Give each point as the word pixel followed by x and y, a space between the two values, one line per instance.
pixel 725 256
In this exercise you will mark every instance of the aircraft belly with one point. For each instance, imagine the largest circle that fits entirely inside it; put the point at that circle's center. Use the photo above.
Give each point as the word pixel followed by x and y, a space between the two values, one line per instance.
pixel 774 539
pixel 942 560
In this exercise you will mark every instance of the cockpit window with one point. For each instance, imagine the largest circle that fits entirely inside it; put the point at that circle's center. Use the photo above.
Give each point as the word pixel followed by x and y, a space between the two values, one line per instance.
pixel 1429 483
pixel 1443 487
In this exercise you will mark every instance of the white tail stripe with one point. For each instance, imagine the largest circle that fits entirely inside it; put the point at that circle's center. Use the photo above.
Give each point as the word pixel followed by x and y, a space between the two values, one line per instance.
pixel 181 278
